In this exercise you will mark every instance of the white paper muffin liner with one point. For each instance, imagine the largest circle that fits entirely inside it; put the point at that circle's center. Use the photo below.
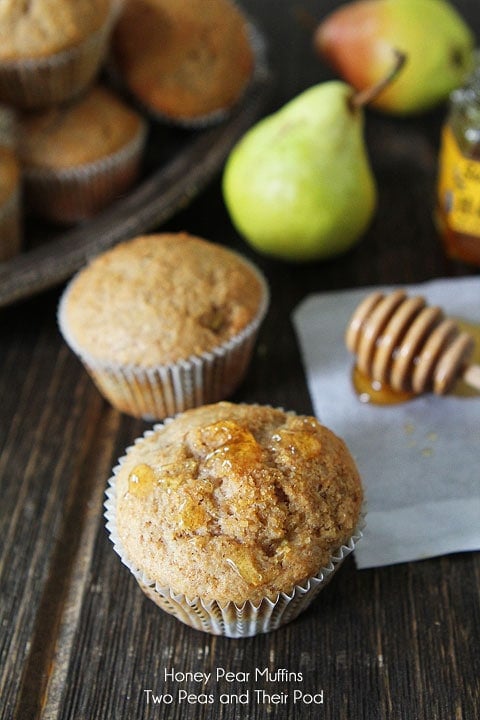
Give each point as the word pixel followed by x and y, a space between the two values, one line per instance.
pixel 34 83
pixel 68 195
pixel 161 391
pixel 227 619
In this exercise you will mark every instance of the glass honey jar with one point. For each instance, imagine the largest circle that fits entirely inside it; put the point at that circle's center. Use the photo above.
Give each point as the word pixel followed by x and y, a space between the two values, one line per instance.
pixel 458 189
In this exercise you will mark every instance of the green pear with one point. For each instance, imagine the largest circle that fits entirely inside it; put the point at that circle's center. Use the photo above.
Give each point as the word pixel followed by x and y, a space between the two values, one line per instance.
pixel 357 40
pixel 298 185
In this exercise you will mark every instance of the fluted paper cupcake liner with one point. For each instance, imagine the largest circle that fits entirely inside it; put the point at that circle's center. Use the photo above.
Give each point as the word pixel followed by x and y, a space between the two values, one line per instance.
pixel 34 83
pixel 228 619
pixel 69 195
pixel 161 391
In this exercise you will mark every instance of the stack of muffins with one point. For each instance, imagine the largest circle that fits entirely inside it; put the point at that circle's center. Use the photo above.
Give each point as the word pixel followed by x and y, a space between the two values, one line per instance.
pixel 231 517
pixel 79 144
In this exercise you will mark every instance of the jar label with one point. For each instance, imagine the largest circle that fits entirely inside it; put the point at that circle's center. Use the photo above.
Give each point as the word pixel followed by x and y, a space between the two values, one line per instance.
pixel 459 187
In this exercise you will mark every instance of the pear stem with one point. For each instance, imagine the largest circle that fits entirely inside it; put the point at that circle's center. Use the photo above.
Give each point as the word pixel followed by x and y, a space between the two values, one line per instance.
pixel 362 98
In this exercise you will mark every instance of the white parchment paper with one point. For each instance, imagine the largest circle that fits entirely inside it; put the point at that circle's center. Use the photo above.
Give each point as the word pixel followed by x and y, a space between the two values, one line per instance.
pixel 419 460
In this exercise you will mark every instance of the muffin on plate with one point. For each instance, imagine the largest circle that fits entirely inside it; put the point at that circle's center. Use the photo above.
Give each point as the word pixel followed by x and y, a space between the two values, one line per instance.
pixel 233 517
pixel 164 322
pixel 50 50
pixel 78 157
pixel 10 192
pixel 188 61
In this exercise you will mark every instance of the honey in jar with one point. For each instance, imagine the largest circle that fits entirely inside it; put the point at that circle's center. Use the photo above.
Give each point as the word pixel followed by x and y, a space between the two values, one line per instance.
pixel 458 191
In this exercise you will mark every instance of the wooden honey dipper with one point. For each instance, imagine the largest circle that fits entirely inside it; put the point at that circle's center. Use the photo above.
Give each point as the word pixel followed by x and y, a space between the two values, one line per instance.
pixel 401 342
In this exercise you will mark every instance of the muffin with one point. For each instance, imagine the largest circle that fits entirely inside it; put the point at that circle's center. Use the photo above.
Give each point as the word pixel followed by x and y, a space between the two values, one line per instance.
pixel 50 50
pixel 188 61
pixel 232 517
pixel 164 322
pixel 78 157
pixel 10 225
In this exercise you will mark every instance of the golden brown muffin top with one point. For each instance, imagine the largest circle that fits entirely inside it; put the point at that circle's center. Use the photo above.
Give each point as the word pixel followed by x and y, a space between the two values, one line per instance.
pixel 38 28
pixel 183 59
pixel 158 299
pixel 93 127
pixel 236 502
pixel 9 173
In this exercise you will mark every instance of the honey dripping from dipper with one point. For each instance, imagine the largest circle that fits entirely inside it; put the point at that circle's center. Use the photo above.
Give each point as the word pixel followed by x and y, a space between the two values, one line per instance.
pixel 404 348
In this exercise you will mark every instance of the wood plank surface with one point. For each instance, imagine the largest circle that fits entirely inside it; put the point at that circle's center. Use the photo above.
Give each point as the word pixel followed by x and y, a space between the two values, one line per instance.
pixel 79 641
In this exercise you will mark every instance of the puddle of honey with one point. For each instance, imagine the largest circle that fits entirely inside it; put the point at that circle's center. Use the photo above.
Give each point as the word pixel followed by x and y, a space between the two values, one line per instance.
pixel 372 391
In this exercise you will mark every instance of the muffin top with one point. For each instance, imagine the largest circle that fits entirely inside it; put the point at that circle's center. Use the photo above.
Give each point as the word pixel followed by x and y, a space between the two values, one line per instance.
pixel 158 299
pixel 9 173
pixel 236 502
pixel 86 130
pixel 183 59
pixel 39 28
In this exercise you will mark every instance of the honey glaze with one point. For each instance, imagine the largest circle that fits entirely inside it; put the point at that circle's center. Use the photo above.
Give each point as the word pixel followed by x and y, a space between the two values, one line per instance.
pixel 191 516
pixel 243 561
pixel 230 444
pixel 141 480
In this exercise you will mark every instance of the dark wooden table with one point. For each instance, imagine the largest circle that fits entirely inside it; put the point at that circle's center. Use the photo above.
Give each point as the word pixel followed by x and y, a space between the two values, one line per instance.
pixel 78 638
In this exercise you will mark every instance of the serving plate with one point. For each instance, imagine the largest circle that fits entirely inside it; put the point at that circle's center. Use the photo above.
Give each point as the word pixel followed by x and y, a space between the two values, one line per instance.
pixel 178 164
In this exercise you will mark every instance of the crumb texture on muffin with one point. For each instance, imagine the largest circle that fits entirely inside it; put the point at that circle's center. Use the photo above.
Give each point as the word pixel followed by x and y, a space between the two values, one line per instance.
pixel 81 132
pixel 183 59
pixel 236 502
pixel 38 28
pixel 159 299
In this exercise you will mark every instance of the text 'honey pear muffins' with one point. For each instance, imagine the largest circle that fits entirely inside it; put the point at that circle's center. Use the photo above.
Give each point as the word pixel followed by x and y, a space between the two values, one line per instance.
pixel 80 156
pixel 187 61
pixel 165 322
pixel 50 50
pixel 232 517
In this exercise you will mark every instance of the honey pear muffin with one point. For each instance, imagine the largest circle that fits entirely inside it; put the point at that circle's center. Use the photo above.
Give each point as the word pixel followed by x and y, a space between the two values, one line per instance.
pixel 164 322
pixel 50 50
pixel 10 222
pixel 78 157
pixel 187 61
pixel 234 506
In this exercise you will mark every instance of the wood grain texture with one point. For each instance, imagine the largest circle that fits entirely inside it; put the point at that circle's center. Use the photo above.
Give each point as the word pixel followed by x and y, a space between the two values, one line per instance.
pixel 78 640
